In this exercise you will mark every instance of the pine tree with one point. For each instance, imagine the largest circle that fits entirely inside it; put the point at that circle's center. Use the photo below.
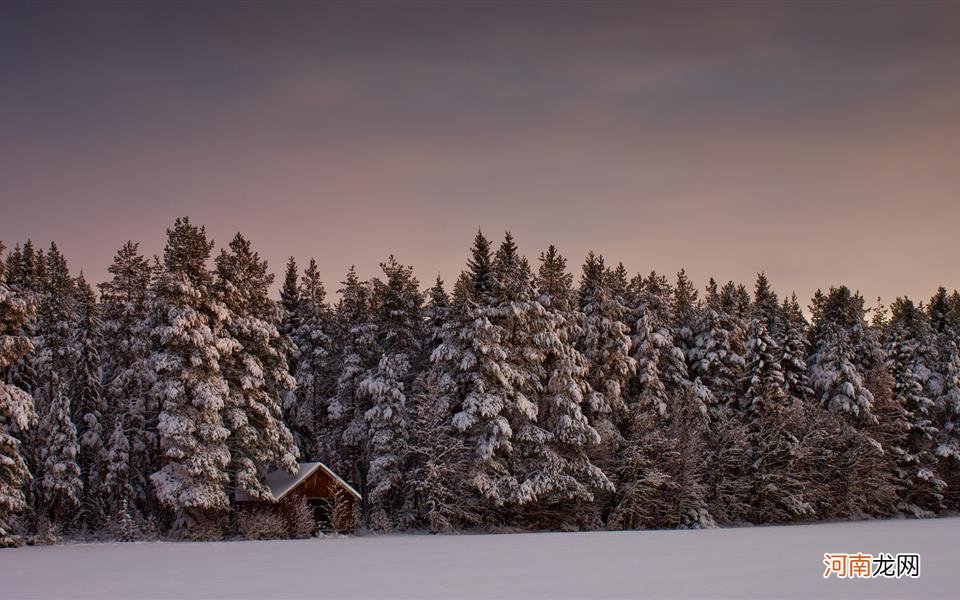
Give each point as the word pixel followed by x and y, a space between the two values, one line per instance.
pixel 344 441
pixel 775 424
pixel 605 343
pixel 290 299
pixel 388 431
pixel 305 409
pixel 400 323
pixel 88 405
pixel 438 490
pixel 793 361
pixel 921 485
pixel 438 306
pixel 189 345
pixel 127 376
pixel 117 484
pixel 61 483
pixel 841 354
pixel 570 473
pixel 661 365
pixel 766 308
pixel 473 357
pixel 257 375
pixel 716 357
pixel 684 309
pixel 16 411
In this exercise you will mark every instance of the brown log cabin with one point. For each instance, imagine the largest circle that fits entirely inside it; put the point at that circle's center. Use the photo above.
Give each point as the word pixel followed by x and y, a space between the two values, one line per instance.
pixel 334 502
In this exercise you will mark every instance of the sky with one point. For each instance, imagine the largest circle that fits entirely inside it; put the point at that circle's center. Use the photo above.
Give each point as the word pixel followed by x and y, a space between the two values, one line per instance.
pixel 817 142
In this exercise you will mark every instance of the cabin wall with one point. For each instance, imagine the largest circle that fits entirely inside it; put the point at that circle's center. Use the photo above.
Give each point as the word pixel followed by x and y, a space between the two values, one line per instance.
pixel 320 485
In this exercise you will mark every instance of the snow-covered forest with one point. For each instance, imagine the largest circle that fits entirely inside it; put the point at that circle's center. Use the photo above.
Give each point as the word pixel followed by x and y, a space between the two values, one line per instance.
pixel 525 395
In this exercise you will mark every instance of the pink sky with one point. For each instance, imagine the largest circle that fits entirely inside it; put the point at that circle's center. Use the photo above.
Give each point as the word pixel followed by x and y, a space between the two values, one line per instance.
pixel 816 142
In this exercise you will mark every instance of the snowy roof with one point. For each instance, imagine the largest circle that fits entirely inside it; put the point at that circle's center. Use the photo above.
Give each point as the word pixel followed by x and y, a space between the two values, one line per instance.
pixel 280 483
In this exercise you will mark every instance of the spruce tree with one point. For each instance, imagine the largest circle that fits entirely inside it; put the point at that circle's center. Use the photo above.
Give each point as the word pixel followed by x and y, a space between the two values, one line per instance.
pixel 88 404
pixel 189 344
pixel 716 356
pixel 400 326
pixel 921 487
pixel 344 440
pixel 473 357
pixel 61 482
pixel 605 343
pixel 257 374
pixel 305 409
pixel 16 411
pixel 127 375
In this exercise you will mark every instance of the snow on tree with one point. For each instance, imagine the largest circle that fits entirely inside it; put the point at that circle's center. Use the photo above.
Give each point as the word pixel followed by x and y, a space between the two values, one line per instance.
pixel 16 411
pixel 61 482
pixel 475 357
pixel 56 328
pixel 840 350
pixel 305 407
pixel 766 308
pixel 683 311
pixel 660 477
pixel 190 342
pixel 290 301
pixel 88 404
pixel 438 491
pixel 438 305
pixel 661 365
pixel 257 374
pixel 344 440
pixel 127 377
pixel 566 389
pixel 793 360
pixel 921 487
pixel 716 356
pixel 117 482
pixel 400 325
pixel 775 424
pixel 387 422
pixel 605 344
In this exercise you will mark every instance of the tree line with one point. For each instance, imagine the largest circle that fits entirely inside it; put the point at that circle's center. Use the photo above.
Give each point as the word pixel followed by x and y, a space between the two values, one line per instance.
pixel 520 398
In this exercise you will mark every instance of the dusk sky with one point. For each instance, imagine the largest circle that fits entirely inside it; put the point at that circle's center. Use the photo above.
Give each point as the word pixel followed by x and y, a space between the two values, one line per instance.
pixel 818 142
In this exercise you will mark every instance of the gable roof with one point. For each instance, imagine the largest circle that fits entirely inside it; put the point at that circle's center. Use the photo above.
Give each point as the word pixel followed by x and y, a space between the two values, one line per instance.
pixel 280 483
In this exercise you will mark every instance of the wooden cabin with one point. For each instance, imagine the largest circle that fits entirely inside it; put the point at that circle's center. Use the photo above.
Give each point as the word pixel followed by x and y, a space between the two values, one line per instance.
pixel 334 502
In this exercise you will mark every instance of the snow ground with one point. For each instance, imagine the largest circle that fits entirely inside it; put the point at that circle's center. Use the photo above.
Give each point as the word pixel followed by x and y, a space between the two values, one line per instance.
pixel 751 562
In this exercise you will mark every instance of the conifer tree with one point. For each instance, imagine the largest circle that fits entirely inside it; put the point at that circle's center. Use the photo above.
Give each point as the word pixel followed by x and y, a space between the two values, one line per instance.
pixel 388 430
pixel 189 344
pixel 605 343
pixel 290 299
pixel 568 471
pixel 793 359
pixel 716 356
pixel 438 306
pixel 16 411
pixel 400 326
pixel 117 485
pixel 345 439
pixel 661 365
pixel 683 311
pixel 257 375
pixel 305 408
pixel 127 376
pixel 61 483
pixel 88 405
pixel 840 351
pixel 921 487
pixel 473 355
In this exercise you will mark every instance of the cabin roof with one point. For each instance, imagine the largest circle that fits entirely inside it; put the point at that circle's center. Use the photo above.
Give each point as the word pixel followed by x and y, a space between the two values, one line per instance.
pixel 280 483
